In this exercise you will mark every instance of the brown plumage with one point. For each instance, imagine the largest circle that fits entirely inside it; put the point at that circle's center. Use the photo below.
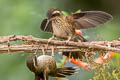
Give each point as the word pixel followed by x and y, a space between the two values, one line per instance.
pixel 64 26
pixel 45 66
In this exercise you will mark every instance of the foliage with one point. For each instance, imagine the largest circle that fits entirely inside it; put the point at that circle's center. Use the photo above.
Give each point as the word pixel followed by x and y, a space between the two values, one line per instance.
pixel 108 71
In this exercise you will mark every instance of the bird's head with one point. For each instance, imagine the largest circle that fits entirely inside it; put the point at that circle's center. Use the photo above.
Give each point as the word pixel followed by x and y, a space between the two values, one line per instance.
pixel 53 12
pixel 31 62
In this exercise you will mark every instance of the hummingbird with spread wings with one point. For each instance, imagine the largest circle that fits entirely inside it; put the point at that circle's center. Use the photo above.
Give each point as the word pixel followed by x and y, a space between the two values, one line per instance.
pixel 68 27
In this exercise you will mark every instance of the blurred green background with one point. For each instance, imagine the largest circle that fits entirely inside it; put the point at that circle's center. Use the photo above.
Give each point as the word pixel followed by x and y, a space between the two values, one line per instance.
pixel 23 17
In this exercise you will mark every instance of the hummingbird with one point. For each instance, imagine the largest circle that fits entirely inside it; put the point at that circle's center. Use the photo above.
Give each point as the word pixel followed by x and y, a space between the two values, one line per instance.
pixel 68 27
pixel 44 66
pixel 65 26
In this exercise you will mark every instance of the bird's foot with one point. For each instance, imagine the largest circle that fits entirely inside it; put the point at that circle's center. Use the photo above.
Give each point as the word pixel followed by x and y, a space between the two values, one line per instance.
pixel 43 50
pixel 53 50
pixel 66 42
pixel 49 40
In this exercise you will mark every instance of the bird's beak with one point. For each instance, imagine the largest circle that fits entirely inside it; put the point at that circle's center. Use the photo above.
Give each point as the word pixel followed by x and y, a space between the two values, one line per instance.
pixel 37 49
pixel 46 24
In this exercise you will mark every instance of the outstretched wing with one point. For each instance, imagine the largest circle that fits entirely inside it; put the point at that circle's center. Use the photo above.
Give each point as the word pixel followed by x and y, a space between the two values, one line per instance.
pixel 89 19
pixel 47 27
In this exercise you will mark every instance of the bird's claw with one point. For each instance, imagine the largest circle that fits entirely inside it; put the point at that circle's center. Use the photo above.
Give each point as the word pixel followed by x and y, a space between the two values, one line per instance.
pixel 43 50
pixel 66 42
pixel 49 40
pixel 53 50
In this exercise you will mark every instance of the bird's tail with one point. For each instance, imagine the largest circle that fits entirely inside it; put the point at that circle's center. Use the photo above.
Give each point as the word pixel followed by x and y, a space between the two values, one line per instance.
pixel 81 38
pixel 37 77
pixel 66 71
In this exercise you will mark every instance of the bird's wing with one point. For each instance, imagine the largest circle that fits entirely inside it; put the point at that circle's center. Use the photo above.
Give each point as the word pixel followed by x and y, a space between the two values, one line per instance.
pixel 89 19
pixel 46 27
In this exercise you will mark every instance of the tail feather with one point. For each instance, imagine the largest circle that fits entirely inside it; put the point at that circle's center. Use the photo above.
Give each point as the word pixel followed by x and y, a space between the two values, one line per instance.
pixel 75 55
pixel 68 73
pixel 80 37
pixel 37 77
pixel 68 69
pixel 60 75
pixel 63 72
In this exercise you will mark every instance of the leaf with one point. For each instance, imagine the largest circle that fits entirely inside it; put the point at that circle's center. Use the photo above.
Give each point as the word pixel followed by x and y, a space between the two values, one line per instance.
pixel 65 13
pixel 78 11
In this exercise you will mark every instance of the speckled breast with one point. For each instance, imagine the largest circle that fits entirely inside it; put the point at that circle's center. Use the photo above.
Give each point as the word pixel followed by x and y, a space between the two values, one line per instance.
pixel 61 28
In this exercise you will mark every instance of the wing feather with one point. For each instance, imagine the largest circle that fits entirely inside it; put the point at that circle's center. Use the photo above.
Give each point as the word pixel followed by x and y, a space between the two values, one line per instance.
pixel 89 19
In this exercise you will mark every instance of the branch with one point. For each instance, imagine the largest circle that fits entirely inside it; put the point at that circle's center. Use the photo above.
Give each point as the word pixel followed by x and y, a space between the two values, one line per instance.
pixel 32 48
pixel 31 43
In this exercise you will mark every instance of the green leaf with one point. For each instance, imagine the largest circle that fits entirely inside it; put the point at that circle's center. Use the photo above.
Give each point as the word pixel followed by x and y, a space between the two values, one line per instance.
pixel 65 13
pixel 78 11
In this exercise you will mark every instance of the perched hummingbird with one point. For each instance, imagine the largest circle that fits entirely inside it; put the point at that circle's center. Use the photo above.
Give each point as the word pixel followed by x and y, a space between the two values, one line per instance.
pixel 45 66
pixel 66 26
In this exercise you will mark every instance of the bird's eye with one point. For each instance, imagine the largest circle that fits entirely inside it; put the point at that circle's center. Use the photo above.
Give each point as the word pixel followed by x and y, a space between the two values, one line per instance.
pixel 54 15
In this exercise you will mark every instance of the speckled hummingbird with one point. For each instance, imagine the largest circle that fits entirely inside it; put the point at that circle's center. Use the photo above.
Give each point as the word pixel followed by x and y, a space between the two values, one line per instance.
pixel 65 26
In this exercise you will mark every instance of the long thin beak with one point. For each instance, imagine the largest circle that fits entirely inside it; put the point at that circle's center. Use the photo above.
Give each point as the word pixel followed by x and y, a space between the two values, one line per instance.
pixel 37 49
pixel 46 24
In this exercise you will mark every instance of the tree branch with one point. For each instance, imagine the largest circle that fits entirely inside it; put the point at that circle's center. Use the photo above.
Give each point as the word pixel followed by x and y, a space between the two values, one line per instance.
pixel 30 43
pixel 32 48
